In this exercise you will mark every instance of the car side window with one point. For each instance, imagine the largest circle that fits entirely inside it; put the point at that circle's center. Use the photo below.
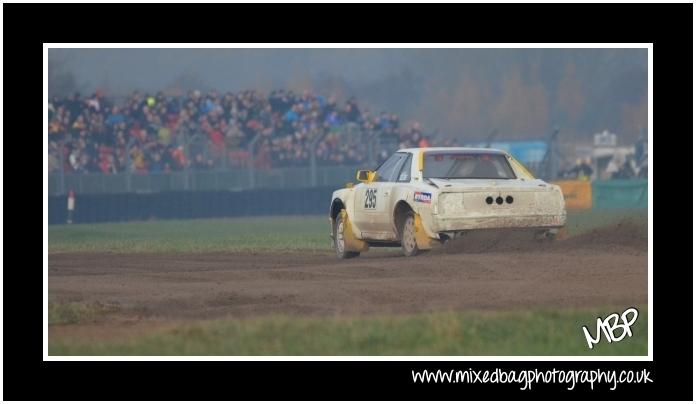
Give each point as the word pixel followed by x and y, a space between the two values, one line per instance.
pixel 405 173
pixel 387 172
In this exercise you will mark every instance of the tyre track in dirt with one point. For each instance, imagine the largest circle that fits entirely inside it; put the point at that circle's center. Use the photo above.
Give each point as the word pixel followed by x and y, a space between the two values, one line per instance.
pixel 609 266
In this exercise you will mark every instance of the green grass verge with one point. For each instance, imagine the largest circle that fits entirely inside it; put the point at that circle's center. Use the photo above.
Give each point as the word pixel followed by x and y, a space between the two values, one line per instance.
pixel 280 233
pixel 271 233
pixel 522 332
pixel 75 312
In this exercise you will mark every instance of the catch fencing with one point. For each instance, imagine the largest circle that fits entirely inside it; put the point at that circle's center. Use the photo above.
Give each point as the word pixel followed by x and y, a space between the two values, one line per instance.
pixel 235 169
pixel 230 180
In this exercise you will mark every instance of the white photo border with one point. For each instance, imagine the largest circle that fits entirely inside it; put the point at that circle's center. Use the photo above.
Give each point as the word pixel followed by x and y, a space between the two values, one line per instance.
pixel 648 46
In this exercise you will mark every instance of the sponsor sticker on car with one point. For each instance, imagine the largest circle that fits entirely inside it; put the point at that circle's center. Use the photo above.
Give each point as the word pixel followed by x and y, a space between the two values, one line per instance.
pixel 423 197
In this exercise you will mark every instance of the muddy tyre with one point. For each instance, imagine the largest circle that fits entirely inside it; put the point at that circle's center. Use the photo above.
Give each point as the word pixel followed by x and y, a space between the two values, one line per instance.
pixel 408 237
pixel 340 241
pixel 545 236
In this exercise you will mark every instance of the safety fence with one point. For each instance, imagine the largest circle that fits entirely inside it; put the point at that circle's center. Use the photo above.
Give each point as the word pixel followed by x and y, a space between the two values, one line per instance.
pixel 92 208
pixel 233 169
pixel 245 168
pixel 230 180
pixel 113 207
pixel 620 194
pixel 609 194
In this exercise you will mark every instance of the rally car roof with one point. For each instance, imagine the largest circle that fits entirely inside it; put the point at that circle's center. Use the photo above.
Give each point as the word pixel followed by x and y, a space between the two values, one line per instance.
pixel 451 149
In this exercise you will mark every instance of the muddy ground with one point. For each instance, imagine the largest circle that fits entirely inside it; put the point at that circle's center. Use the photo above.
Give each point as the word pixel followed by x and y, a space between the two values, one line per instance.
pixel 606 266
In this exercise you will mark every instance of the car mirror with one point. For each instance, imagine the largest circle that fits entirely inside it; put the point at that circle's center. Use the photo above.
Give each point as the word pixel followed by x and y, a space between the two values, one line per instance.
pixel 365 176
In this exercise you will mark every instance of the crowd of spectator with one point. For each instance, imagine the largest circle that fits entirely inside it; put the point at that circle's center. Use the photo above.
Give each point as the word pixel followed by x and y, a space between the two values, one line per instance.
pixel 162 133
pixel 622 165
pixel 627 167
pixel 582 170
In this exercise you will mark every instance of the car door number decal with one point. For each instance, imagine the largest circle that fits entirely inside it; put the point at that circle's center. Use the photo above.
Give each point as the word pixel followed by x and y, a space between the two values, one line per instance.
pixel 371 198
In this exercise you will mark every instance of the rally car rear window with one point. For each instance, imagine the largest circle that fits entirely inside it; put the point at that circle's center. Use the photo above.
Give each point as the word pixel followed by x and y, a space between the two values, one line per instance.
pixel 466 165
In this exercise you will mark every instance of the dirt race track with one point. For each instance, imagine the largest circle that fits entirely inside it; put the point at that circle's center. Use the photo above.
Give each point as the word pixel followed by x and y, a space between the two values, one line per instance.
pixel 608 266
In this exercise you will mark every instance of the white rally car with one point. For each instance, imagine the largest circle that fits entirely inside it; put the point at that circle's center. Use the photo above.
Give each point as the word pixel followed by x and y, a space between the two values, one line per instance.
pixel 418 197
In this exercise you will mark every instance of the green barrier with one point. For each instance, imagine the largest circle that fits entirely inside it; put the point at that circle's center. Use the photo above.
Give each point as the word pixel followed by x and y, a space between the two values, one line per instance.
pixel 620 194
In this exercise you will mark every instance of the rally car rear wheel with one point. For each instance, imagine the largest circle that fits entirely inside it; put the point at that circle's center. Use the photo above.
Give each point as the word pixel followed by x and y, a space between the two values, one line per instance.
pixel 545 236
pixel 340 241
pixel 408 236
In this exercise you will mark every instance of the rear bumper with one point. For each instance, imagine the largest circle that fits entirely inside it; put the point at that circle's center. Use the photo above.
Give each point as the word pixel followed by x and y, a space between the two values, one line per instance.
pixel 444 223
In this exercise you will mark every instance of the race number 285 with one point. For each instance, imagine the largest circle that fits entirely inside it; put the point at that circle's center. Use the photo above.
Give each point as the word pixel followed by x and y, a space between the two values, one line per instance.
pixel 370 198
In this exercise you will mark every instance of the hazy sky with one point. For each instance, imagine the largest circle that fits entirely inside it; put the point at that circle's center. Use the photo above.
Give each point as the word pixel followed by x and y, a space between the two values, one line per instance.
pixel 232 69
pixel 520 91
